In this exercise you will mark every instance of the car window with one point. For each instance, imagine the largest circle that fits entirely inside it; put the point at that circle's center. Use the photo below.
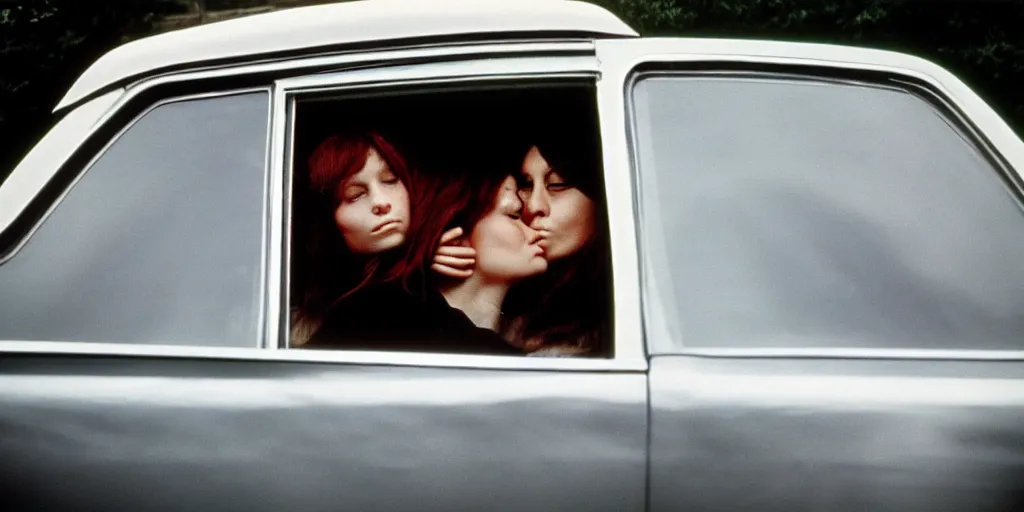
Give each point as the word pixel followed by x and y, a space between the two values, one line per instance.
pixel 793 213
pixel 160 241
pixel 375 191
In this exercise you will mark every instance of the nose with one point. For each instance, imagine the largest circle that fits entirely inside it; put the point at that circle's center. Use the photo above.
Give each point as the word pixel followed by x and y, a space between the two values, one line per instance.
pixel 381 205
pixel 538 204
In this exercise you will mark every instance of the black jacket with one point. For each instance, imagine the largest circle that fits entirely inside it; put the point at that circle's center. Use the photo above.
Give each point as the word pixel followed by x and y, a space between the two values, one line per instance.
pixel 386 317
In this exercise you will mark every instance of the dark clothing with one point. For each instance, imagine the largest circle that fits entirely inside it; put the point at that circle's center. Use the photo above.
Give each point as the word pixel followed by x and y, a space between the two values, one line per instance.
pixel 386 317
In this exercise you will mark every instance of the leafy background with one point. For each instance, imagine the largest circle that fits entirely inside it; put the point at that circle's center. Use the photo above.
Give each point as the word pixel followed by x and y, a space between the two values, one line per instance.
pixel 46 44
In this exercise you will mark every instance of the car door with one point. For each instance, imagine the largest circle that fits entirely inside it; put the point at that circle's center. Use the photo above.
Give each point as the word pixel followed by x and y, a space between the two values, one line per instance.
pixel 831 242
pixel 143 364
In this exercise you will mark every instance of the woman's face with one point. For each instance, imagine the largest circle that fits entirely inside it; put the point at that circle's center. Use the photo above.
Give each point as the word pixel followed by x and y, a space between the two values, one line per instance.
pixel 560 212
pixel 506 248
pixel 373 208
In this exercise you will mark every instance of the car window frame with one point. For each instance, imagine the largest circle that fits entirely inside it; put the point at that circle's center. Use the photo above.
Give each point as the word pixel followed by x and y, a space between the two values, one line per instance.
pixel 628 353
pixel 972 118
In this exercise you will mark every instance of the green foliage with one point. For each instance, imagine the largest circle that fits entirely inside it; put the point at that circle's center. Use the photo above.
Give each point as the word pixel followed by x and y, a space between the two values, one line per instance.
pixel 647 16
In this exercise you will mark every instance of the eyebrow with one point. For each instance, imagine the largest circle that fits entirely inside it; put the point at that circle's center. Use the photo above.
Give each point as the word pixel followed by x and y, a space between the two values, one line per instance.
pixel 351 182
pixel 343 186
pixel 354 179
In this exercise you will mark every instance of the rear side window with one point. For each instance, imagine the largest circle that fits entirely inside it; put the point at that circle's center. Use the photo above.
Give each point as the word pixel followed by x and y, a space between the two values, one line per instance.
pixel 787 213
pixel 161 239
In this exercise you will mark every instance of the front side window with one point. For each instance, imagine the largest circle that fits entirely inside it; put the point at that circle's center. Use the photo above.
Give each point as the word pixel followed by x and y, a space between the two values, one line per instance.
pixel 161 239
pixel 793 213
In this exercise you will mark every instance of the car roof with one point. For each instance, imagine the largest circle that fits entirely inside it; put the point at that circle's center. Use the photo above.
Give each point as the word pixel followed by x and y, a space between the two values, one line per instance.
pixel 340 26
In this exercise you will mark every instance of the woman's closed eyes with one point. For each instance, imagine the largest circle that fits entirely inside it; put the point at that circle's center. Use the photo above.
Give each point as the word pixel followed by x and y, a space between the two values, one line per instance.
pixel 555 183
pixel 353 194
pixel 356 190
pixel 515 212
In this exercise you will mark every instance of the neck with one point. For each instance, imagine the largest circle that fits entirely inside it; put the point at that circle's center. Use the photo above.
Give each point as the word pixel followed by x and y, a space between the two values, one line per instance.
pixel 478 299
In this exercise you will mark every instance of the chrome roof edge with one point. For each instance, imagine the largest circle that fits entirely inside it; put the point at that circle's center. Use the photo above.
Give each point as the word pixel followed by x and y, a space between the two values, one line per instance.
pixel 347 24
pixel 768 48
pixel 360 357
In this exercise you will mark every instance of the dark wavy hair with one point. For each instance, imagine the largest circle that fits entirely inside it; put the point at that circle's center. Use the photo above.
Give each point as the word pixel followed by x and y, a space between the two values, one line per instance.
pixel 571 303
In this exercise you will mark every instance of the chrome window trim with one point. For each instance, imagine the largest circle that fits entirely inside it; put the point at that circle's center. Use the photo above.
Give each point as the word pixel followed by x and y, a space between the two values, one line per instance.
pixel 620 62
pixel 360 357
pixel 30 181
pixel 622 226
pixel 851 353
pixel 474 361
pixel 511 68
pixel 106 147
pixel 266 272
pixel 280 134
pixel 629 352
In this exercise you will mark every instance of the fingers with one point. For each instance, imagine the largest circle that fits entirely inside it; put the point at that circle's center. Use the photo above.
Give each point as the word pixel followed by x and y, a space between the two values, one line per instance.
pixel 450 235
pixel 456 251
pixel 451 272
pixel 457 263
pixel 453 260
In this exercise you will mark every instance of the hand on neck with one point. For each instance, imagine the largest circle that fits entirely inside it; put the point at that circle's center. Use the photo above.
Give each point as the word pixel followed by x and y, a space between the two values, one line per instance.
pixel 478 299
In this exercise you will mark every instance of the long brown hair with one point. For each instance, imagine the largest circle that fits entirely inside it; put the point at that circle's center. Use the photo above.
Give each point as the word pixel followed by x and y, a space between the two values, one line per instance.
pixel 570 304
